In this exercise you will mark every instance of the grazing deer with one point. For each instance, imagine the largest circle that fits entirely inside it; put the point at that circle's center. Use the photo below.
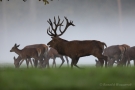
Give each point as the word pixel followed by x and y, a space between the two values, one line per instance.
pixel 114 52
pixel 76 48
pixel 26 53
pixel 52 53
pixel 18 59
pixel 43 48
pixel 43 55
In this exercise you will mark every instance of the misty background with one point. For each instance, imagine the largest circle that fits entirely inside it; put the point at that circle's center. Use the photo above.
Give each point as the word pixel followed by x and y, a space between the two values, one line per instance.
pixel 25 23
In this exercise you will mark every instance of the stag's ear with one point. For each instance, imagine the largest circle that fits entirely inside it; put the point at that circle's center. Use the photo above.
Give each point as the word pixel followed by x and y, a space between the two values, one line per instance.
pixel 18 45
pixel 54 38
pixel 15 44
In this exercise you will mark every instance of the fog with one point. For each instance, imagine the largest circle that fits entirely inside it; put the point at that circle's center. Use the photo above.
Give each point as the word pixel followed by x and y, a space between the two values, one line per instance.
pixel 25 23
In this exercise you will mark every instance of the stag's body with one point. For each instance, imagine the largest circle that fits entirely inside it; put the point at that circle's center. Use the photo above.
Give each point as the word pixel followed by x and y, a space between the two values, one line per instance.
pixel 26 53
pixel 52 54
pixel 74 49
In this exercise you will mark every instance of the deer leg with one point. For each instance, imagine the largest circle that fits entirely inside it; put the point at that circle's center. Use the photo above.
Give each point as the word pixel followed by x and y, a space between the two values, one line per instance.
pixel 54 63
pixel 62 61
pixel 21 62
pixel 53 60
pixel 134 63
pixel 75 63
pixel 46 62
pixel 101 58
pixel 128 62
pixel 72 64
pixel 67 60
pixel 30 62
pixel 27 63
pixel 35 63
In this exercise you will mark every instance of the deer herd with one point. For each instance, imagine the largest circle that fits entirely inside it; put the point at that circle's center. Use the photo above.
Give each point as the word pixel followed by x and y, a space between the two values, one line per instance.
pixel 39 54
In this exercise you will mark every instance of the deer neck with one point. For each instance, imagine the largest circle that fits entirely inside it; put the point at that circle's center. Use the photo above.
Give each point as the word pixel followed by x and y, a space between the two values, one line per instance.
pixel 19 52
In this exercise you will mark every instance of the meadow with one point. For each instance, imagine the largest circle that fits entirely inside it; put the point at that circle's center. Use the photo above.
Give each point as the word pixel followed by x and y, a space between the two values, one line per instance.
pixel 67 79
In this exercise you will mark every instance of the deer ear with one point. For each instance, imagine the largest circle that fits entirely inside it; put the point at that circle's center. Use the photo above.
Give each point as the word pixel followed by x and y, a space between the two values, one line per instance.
pixel 15 44
pixel 18 45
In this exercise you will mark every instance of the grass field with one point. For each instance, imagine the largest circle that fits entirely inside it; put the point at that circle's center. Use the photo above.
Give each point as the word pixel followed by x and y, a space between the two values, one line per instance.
pixel 90 78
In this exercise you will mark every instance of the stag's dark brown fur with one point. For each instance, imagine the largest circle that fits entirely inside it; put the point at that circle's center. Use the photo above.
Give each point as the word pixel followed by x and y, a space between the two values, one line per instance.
pixel 76 49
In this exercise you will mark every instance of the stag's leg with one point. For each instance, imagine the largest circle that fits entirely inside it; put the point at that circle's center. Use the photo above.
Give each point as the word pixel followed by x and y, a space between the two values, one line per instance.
pixel 75 61
pixel 134 63
pixel 101 58
pixel 72 64
pixel 62 61
pixel 67 60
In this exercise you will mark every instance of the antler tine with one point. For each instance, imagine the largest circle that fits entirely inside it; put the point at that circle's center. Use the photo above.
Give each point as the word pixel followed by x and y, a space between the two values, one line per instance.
pixel 67 25
pixel 54 20
pixel 58 20
pixel 71 22
pixel 58 24
pixel 49 32
pixel 54 30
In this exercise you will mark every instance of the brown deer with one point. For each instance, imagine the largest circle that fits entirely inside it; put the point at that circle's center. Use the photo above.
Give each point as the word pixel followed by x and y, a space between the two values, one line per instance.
pixel 43 48
pixel 52 53
pixel 43 55
pixel 114 52
pixel 128 56
pixel 76 48
pixel 26 53
pixel 18 59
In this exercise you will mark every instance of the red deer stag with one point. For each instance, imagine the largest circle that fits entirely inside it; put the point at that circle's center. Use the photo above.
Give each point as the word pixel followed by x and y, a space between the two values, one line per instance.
pixel 26 53
pixel 76 48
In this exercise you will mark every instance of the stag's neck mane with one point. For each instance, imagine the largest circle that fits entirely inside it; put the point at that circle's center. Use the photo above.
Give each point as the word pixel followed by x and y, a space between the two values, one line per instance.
pixel 64 40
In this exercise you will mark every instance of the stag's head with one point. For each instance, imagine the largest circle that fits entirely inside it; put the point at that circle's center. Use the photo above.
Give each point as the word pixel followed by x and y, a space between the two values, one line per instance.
pixel 52 30
pixel 16 62
pixel 14 47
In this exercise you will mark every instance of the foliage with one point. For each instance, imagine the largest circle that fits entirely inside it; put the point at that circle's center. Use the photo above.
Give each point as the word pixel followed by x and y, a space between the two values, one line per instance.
pixel 45 1
pixel 67 78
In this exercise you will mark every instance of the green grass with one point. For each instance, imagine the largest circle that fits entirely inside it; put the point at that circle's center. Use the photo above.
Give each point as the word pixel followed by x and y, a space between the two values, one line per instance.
pixel 90 78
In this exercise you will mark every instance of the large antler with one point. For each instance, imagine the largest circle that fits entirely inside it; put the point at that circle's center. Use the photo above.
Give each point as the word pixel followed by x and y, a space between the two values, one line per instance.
pixel 53 32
